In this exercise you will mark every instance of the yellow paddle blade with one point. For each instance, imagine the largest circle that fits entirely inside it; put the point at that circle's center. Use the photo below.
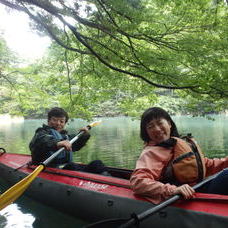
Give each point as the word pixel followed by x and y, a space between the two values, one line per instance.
pixel 17 190
pixel 94 124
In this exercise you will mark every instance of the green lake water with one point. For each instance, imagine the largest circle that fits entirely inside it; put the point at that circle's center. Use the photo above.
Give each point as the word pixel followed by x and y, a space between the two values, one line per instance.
pixel 115 141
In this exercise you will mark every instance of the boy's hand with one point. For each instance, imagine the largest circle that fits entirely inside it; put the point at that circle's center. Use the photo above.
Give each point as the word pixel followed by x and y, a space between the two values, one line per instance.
pixel 85 129
pixel 66 144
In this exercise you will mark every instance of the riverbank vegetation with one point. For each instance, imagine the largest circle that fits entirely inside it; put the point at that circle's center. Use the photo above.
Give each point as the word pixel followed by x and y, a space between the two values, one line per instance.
pixel 119 57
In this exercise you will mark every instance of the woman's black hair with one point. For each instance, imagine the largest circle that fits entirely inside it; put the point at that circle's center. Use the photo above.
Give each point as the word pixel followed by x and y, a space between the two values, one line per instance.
pixel 155 113
pixel 58 112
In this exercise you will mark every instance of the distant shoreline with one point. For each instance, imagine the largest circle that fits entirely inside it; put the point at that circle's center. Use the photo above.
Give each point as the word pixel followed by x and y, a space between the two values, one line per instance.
pixel 6 118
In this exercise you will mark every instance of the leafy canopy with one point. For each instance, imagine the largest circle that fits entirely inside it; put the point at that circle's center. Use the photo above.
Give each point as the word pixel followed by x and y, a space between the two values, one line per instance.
pixel 178 45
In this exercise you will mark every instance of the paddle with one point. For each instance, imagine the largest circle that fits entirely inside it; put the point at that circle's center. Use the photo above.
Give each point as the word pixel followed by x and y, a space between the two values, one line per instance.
pixel 17 190
pixel 124 223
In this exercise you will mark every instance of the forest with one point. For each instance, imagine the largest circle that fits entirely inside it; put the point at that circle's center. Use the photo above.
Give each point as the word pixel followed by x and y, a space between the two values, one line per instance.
pixel 119 57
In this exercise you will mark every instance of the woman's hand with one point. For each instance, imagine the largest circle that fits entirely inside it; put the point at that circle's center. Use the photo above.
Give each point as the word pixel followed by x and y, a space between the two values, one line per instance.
pixel 185 190
pixel 66 144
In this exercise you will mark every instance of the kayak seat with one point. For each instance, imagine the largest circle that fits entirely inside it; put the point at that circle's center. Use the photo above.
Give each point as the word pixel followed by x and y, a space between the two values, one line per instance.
pixel 120 173
pixel 110 171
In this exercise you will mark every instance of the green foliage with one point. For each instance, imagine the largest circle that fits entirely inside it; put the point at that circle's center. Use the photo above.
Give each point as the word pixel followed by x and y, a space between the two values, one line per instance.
pixel 118 56
pixel 7 57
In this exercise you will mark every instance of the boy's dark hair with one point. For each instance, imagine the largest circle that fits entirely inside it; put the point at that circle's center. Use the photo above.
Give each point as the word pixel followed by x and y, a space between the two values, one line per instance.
pixel 155 113
pixel 58 112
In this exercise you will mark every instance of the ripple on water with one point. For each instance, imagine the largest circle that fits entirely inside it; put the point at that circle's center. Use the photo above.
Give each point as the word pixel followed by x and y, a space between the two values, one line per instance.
pixel 11 216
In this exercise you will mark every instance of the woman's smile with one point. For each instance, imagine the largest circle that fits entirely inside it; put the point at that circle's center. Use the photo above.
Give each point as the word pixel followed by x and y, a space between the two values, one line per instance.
pixel 158 130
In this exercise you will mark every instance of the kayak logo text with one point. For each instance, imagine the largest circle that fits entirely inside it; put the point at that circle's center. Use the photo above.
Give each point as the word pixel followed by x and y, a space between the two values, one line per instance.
pixel 92 185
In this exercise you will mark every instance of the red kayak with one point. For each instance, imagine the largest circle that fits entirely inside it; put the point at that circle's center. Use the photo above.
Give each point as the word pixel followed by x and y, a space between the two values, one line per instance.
pixel 94 197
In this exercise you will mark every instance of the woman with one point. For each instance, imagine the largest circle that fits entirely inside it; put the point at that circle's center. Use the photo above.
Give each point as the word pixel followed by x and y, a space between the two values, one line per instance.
pixel 160 135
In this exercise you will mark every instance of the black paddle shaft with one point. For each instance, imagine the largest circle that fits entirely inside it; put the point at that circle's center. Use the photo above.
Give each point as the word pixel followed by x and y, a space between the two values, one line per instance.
pixel 142 216
pixel 136 219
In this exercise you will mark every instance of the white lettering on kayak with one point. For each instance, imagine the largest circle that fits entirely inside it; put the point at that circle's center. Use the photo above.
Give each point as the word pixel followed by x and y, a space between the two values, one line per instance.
pixel 92 185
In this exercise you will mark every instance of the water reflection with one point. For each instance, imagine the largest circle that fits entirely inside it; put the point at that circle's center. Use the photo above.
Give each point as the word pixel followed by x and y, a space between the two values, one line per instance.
pixel 211 135
pixel 116 141
pixel 12 216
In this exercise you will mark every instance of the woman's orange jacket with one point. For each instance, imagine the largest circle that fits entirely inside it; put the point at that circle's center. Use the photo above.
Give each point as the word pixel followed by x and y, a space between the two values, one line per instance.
pixel 145 180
